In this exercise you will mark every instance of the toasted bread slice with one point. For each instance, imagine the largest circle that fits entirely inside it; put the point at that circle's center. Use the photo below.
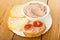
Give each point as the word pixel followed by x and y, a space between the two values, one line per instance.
pixel 17 23
pixel 16 11
pixel 35 34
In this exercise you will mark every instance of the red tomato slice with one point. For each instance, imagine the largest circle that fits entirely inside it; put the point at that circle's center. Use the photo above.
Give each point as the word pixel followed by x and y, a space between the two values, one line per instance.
pixel 28 26
pixel 37 24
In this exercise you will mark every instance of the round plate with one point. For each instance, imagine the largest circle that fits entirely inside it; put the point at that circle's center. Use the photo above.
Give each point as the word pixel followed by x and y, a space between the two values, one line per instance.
pixel 47 21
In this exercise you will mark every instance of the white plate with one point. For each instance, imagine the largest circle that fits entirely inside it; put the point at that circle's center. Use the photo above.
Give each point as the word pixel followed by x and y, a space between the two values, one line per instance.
pixel 47 21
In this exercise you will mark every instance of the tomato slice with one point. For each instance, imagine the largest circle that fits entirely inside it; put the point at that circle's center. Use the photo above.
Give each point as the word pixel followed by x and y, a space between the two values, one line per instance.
pixel 37 24
pixel 28 26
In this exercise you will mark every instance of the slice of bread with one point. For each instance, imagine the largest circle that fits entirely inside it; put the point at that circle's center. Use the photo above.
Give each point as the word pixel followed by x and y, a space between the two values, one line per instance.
pixel 43 28
pixel 16 11
pixel 17 23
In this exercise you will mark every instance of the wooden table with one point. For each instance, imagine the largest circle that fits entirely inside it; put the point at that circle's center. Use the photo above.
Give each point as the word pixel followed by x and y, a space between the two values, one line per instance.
pixel 52 34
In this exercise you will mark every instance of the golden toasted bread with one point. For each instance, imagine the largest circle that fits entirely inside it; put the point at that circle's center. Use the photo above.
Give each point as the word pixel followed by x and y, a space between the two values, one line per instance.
pixel 16 11
pixel 17 23
pixel 35 34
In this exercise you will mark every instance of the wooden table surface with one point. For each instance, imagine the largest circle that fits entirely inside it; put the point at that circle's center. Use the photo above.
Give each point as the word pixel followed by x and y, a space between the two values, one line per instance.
pixel 52 34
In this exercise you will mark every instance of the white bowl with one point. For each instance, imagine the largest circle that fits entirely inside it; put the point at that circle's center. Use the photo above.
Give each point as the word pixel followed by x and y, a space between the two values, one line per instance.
pixel 31 18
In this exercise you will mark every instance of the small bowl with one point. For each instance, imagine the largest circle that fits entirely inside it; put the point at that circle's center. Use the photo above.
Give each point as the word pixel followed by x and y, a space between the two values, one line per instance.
pixel 38 18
